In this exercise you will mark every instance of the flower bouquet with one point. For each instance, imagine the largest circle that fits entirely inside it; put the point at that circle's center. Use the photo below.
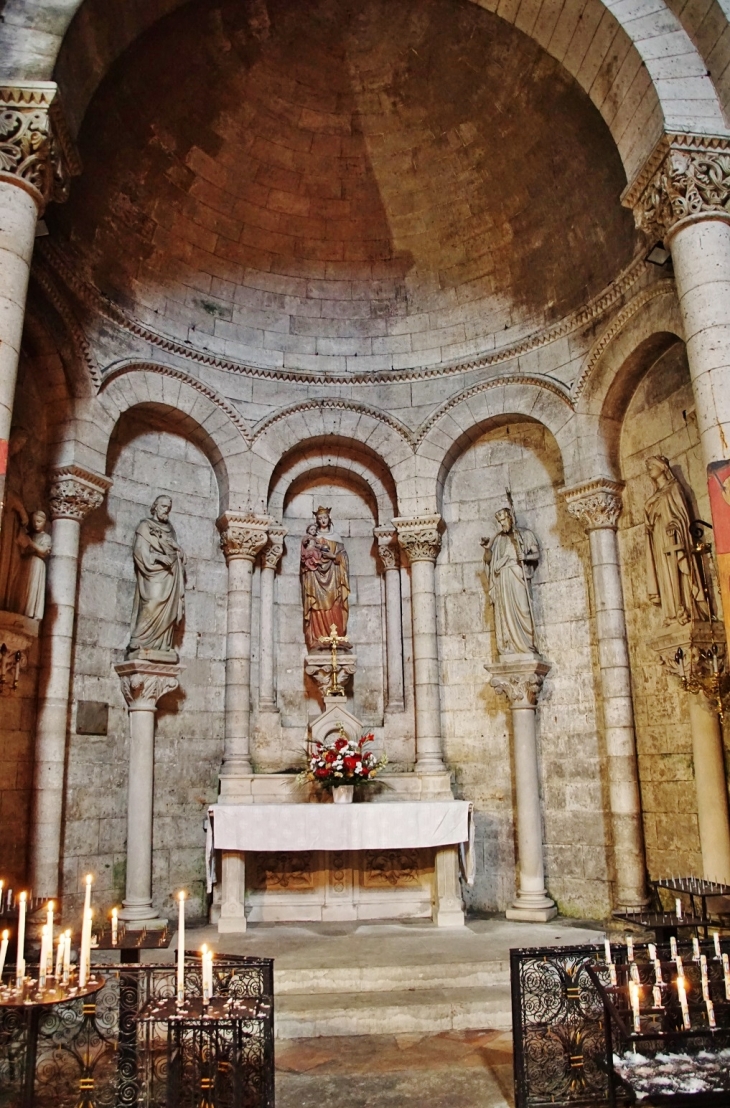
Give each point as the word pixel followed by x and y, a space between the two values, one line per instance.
pixel 342 762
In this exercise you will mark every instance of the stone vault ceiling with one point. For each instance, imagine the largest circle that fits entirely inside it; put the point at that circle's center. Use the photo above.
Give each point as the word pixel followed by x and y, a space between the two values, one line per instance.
pixel 300 182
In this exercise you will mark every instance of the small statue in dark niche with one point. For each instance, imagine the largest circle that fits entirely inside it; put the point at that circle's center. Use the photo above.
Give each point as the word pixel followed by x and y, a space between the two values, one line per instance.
pixel 511 558
pixel 29 586
pixel 159 599
pixel 14 519
pixel 673 576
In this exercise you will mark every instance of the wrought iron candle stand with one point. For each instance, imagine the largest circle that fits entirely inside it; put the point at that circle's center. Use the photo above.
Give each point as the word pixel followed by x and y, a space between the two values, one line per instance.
pixel 677 1036
pixel 96 1052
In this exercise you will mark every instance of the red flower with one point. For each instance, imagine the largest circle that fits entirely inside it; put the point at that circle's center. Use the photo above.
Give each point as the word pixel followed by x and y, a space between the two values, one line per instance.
pixel 350 763
pixel 330 756
pixel 322 772
pixel 340 744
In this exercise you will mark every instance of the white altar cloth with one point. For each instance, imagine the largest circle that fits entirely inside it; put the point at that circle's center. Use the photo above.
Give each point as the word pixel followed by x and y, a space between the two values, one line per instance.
pixel 290 827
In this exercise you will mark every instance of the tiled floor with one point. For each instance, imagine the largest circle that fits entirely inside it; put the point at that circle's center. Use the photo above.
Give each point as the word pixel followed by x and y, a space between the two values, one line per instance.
pixel 456 1069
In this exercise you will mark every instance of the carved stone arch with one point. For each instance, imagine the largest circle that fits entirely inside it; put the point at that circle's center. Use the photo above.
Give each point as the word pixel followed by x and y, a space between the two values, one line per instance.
pixel 467 416
pixel 646 328
pixel 339 458
pixel 610 50
pixel 369 434
pixel 190 411
pixel 46 310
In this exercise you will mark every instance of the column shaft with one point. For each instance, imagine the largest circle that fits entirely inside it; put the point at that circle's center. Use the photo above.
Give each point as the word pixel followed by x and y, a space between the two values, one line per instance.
pixel 529 820
pixel 426 669
pixel 394 639
pixel 618 720
pixel 267 694
pixel 237 756
pixel 140 793
pixel 54 683
pixel 18 216
pixel 711 785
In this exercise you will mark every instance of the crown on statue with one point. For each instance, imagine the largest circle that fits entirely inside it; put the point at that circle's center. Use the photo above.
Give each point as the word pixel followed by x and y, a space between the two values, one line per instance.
pixel 322 508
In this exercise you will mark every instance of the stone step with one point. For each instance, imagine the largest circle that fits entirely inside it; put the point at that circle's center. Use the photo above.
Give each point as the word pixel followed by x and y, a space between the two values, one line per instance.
pixel 408 1011
pixel 386 978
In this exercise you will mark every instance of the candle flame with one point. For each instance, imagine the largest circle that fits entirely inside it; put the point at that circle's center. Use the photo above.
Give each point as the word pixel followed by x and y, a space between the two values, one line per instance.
pixel 50 905
pixel 181 895
pixel 204 948
pixel 89 878
pixel 6 935
pixel 23 897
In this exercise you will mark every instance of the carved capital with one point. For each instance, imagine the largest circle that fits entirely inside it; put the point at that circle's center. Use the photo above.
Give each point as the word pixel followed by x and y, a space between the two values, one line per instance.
pixel 520 680
pixel 144 683
pixel 274 548
pixel 419 537
pixel 243 535
pixel 36 150
pixel 388 549
pixel 596 504
pixel 686 175
pixel 74 492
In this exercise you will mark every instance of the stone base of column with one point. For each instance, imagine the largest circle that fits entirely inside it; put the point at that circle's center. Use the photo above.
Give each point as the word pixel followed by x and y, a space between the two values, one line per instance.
pixel 142 913
pixel 537 909
pixel 435 785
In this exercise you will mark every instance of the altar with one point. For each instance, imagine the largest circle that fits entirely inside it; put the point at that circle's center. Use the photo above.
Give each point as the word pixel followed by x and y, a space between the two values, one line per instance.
pixel 380 859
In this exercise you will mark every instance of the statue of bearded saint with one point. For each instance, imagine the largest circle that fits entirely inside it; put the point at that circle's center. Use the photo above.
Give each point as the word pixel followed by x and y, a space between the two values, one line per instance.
pixel 511 558
pixel 159 599
pixel 672 572
pixel 325 576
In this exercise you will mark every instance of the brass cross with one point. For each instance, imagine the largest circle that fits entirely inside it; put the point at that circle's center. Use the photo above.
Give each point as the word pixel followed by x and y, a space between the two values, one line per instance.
pixel 333 640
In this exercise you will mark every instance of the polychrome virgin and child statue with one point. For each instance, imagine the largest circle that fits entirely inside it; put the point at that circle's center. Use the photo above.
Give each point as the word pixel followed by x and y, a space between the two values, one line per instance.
pixel 325 577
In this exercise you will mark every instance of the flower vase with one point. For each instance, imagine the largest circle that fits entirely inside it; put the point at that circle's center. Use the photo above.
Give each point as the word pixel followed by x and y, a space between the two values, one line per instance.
pixel 342 794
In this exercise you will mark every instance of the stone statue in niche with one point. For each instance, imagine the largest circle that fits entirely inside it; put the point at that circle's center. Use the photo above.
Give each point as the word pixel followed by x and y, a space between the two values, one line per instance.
pixel 325 577
pixel 673 576
pixel 159 599
pixel 14 519
pixel 510 559
pixel 29 585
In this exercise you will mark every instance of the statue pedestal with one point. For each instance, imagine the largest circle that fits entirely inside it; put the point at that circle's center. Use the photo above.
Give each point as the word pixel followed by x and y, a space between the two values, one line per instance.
pixel 520 678
pixel 143 684
pixel 318 665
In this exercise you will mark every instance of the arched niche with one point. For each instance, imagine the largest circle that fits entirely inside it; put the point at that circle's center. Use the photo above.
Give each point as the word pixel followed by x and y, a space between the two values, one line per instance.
pixel 659 418
pixel 150 452
pixel 521 455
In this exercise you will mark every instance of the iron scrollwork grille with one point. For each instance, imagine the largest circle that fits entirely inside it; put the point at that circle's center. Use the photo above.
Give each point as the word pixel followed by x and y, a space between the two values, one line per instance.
pixel 90 1054
pixel 557 1028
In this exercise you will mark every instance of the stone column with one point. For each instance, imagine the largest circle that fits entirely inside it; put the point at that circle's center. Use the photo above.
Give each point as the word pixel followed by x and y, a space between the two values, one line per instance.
pixel 682 197
pixel 387 539
pixel 73 493
pixel 269 561
pixel 143 684
pixel 695 670
pixel 419 537
pixel 37 161
pixel 242 537
pixel 520 678
pixel 598 505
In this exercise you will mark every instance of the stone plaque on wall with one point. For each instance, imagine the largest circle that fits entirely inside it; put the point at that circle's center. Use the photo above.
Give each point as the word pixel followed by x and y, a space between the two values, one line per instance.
pixel 92 717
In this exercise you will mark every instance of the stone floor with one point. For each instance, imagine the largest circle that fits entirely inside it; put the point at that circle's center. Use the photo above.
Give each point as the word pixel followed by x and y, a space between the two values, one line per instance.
pixel 455 1069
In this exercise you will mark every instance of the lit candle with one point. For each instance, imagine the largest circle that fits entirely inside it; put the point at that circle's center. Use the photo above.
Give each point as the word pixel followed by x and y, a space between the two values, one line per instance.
pixel 3 952
pixel 630 948
pixel 710 1013
pixel 20 960
pixel 59 956
pixel 204 967
pixel 612 972
pixel 726 971
pixel 657 997
pixel 652 952
pixel 678 908
pixel 85 954
pixel 695 949
pixel 673 948
pixel 705 980
pixel 181 949
pixel 115 926
pixel 43 962
pixel 634 971
pixel 67 959
pixel 607 949
pixel 716 940
pixel 634 994
pixel 658 972
pixel 682 993
pixel 680 967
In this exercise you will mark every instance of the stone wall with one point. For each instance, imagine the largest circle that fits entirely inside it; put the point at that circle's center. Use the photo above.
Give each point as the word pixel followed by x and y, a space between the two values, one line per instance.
pixel 660 420
pixel 522 456
pixel 146 458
